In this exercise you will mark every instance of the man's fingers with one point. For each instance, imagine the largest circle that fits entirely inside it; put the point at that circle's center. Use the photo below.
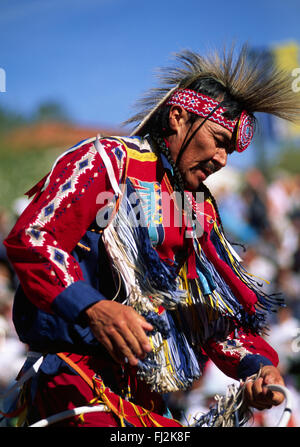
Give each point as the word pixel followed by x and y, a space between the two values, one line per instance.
pixel 125 350
pixel 271 376
pixel 121 329
pixel 145 325
pixel 138 327
pixel 261 397
pixel 132 338
pixel 259 392
pixel 139 333
pixel 115 344
pixel 131 342
pixel 277 398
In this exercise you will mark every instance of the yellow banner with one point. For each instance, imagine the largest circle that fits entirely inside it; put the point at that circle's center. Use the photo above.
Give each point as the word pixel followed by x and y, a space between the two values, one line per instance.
pixel 286 57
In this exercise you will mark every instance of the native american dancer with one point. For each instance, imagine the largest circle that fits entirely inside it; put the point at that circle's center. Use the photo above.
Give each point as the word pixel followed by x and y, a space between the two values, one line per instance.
pixel 127 281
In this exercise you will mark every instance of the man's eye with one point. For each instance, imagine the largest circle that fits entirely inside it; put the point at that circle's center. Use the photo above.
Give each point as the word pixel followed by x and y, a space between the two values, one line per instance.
pixel 219 142
pixel 225 144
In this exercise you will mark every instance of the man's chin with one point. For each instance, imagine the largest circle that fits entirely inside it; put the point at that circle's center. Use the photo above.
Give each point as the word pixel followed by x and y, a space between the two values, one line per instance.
pixel 193 186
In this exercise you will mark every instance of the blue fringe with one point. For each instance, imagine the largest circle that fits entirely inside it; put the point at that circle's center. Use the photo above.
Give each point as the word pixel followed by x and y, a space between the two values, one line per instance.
pixel 184 361
pixel 158 323
pixel 188 367
pixel 159 274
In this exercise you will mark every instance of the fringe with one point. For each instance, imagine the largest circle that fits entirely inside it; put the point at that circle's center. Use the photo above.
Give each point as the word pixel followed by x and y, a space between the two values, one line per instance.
pixel 193 309
pixel 172 365
pixel 229 411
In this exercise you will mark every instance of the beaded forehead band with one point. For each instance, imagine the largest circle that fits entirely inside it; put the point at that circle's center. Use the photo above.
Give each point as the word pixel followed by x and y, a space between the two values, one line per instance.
pixel 203 105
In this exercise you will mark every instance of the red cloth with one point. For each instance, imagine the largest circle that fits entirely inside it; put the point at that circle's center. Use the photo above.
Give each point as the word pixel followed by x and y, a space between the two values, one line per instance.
pixel 66 391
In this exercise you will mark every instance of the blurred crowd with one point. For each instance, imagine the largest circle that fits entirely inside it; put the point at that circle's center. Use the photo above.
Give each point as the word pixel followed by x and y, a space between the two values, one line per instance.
pixel 262 215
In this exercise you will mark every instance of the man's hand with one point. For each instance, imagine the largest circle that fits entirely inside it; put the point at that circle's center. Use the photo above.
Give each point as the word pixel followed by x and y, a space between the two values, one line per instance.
pixel 120 329
pixel 257 395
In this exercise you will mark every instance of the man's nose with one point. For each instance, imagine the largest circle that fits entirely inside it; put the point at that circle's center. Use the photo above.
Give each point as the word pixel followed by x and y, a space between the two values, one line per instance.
pixel 220 157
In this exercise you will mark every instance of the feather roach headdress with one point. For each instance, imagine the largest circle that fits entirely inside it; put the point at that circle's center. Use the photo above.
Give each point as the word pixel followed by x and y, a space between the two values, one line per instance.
pixel 252 81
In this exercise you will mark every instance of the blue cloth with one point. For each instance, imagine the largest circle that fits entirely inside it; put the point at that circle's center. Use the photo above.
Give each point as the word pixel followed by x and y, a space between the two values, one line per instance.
pixel 250 364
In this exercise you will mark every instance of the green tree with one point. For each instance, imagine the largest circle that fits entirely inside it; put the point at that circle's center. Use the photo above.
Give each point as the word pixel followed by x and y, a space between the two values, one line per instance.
pixel 289 159
pixel 51 111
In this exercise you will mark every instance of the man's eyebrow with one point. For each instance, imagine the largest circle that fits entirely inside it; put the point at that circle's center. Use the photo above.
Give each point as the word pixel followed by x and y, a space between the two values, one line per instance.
pixel 224 135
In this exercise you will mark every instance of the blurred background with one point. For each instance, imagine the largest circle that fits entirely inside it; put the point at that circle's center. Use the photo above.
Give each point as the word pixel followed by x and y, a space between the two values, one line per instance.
pixel 72 68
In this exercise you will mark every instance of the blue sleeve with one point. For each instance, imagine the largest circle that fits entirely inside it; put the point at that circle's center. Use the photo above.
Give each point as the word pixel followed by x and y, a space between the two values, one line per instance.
pixel 74 299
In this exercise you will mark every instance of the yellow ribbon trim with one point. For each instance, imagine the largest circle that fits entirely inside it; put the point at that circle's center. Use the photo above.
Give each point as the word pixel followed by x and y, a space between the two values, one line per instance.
pixel 136 155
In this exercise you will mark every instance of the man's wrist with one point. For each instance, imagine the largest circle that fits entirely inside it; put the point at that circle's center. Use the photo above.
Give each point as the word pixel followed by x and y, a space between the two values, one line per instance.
pixel 71 303
pixel 251 364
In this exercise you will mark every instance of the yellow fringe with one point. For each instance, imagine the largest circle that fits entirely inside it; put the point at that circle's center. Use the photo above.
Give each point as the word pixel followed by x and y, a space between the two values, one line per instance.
pixel 232 259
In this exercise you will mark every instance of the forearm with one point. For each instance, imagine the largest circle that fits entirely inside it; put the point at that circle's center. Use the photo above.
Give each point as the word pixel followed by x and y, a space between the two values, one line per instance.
pixel 241 354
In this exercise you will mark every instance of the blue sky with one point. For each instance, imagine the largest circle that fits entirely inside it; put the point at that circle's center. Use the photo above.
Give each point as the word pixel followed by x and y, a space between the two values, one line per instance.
pixel 97 57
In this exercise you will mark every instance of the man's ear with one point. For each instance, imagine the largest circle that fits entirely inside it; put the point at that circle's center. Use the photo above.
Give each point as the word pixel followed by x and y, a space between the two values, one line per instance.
pixel 177 117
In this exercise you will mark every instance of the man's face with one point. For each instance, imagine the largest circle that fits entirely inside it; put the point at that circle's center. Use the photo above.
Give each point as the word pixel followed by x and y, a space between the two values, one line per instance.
pixel 205 154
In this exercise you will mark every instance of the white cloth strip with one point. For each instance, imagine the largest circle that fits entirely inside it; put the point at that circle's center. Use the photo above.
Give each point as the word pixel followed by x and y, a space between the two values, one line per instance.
pixel 26 376
pixel 111 173
pixel 68 414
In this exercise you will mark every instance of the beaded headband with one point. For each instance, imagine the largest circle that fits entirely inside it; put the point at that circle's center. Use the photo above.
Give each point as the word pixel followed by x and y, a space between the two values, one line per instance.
pixel 203 105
